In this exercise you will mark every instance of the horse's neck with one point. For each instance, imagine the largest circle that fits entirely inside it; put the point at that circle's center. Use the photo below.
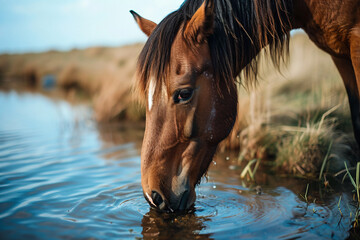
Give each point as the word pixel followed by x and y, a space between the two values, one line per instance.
pixel 307 12
pixel 327 23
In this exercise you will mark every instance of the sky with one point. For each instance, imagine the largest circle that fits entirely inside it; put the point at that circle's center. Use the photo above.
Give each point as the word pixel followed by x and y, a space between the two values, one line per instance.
pixel 41 25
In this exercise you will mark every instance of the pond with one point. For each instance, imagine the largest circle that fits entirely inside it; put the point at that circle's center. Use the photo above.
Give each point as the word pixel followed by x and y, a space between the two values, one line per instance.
pixel 62 176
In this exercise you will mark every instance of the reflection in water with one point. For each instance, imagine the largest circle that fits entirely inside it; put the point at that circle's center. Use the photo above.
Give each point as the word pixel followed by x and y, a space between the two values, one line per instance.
pixel 62 176
pixel 165 226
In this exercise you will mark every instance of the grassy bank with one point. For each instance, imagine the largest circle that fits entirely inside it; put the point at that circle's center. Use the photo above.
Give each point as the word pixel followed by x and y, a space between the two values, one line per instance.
pixel 299 117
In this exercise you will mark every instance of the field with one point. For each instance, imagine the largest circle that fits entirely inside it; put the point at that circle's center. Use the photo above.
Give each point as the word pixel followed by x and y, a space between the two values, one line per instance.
pixel 298 116
pixel 102 75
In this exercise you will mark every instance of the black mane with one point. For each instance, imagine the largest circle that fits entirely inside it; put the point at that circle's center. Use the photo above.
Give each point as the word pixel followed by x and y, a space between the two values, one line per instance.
pixel 242 29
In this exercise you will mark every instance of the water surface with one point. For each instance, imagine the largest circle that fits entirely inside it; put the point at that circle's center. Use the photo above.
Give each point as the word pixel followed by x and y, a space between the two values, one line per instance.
pixel 62 176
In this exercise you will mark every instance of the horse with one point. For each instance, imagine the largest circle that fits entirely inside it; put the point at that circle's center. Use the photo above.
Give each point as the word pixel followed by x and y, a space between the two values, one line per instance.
pixel 187 73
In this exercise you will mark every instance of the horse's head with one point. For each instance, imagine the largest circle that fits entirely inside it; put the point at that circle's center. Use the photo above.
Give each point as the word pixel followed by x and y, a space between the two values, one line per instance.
pixel 189 109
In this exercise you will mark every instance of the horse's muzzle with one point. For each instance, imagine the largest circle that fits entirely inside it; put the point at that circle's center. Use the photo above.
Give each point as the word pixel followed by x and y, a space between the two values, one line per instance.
pixel 174 204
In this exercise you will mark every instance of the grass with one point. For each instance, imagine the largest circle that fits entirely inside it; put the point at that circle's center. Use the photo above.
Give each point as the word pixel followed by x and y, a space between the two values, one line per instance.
pixel 247 171
pixel 356 185
pixel 300 151
pixel 305 197
pixel 341 214
pixel 103 75
pixel 324 162
pixel 355 182
pixel 297 118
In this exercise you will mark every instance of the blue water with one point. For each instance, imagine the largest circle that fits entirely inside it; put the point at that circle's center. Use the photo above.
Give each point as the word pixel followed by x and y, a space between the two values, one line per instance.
pixel 62 176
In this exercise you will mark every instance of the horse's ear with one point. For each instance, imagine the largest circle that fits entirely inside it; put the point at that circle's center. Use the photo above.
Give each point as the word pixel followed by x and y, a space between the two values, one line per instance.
pixel 145 25
pixel 201 25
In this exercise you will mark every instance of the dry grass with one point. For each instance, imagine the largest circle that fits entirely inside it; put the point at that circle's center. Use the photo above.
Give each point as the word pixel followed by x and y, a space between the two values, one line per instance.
pixel 103 74
pixel 294 115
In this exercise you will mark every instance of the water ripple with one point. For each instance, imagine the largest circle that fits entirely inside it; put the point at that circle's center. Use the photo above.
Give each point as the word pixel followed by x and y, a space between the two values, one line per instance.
pixel 62 178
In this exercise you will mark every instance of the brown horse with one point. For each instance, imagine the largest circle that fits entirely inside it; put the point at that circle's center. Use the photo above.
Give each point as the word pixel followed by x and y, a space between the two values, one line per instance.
pixel 187 70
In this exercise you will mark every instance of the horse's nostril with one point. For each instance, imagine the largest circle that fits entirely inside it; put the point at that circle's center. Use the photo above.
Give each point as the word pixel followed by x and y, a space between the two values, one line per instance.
pixel 157 199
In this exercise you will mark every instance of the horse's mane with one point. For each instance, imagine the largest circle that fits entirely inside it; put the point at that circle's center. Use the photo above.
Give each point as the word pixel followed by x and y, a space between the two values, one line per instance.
pixel 242 29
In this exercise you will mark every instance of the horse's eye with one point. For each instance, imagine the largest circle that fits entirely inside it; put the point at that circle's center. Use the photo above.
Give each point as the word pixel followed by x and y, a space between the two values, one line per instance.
pixel 183 95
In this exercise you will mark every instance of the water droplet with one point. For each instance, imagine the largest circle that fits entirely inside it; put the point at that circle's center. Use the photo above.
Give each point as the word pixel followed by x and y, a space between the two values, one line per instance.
pixel 214 186
pixel 232 167
pixel 214 162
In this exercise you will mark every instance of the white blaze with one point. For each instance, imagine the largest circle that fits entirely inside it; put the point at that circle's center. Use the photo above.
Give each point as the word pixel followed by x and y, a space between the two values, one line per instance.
pixel 181 181
pixel 150 199
pixel 151 93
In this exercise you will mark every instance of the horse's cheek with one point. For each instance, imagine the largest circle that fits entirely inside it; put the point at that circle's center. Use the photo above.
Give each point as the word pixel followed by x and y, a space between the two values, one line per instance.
pixel 225 118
